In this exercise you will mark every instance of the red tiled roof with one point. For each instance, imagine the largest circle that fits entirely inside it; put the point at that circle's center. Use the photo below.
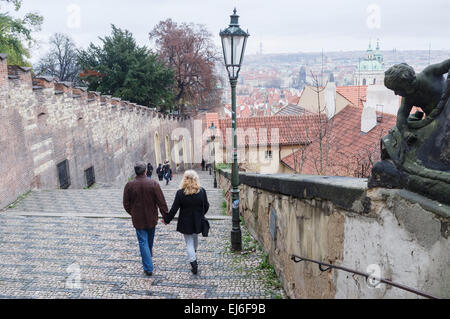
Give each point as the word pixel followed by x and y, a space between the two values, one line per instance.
pixel 352 93
pixel 257 101
pixel 292 109
pixel 292 130
pixel 349 148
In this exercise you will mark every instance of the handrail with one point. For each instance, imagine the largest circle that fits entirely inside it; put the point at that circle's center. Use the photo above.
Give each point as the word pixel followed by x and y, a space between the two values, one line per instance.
pixel 298 259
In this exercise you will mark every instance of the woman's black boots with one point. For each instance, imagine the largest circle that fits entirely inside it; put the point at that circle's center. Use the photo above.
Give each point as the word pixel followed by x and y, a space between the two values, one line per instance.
pixel 194 266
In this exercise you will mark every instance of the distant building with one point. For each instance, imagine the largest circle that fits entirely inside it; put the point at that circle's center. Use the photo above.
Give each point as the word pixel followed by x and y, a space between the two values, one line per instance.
pixel 311 102
pixel 370 71
pixel 300 80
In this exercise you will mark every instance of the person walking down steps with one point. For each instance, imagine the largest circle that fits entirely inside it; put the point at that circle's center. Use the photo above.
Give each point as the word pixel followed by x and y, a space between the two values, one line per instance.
pixel 193 204
pixel 141 199
pixel 160 172
pixel 167 173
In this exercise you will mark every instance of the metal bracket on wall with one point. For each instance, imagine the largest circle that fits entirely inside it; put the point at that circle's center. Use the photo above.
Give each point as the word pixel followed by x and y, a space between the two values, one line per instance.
pixel 297 259
pixel 326 267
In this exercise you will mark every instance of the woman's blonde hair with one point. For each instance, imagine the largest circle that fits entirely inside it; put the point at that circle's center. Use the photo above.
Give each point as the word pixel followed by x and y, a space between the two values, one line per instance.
pixel 191 183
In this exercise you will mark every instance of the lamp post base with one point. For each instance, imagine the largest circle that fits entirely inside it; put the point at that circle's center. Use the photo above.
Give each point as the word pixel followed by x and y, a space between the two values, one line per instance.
pixel 236 240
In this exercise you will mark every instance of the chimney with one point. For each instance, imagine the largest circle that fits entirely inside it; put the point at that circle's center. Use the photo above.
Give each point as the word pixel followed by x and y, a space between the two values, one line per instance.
pixel 378 97
pixel 330 99
pixel 368 118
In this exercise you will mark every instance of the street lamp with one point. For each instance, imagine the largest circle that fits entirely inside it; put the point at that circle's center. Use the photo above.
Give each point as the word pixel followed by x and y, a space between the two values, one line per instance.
pixel 213 138
pixel 234 41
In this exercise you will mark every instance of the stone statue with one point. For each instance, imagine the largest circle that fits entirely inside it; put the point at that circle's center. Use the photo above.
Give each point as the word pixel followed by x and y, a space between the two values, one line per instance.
pixel 416 153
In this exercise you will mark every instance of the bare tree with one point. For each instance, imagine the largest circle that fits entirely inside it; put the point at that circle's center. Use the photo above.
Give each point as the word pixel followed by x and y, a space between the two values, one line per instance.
pixel 189 50
pixel 322 136
pixel 299 149
pixel 61 61
pixel 324 154
pixel 361 163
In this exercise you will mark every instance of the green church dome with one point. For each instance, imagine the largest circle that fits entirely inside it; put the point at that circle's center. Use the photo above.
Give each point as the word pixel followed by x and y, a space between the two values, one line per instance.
pixel 373 60
pixel 370 65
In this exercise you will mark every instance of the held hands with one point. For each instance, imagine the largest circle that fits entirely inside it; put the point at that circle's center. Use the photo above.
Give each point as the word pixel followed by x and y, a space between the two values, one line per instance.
pixel 163 221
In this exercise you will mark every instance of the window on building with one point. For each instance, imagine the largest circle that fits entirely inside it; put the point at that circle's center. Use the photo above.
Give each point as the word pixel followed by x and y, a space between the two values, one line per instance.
pixel 90 176
pixel 269 155
pixel 64 174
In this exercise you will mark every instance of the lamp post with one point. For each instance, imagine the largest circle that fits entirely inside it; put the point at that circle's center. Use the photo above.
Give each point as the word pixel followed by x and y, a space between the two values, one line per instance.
pixel 213 138
pixel 234 41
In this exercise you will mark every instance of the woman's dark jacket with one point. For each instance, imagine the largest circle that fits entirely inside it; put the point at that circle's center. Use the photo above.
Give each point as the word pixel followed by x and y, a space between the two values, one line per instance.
pixel 192 210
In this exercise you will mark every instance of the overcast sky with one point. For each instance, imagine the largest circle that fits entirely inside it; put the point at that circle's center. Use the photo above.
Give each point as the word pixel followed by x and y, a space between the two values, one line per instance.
pixel 282 26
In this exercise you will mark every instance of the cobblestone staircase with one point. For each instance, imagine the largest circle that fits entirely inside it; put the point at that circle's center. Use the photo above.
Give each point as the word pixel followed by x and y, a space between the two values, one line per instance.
pixel 48 249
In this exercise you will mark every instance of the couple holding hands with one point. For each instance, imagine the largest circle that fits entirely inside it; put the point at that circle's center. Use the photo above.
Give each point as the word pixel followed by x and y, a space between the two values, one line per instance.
pixel 143 197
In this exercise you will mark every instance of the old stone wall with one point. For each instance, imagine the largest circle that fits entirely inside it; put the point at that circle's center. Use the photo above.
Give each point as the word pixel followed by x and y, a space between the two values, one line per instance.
pixel 396 234
pixel 44 123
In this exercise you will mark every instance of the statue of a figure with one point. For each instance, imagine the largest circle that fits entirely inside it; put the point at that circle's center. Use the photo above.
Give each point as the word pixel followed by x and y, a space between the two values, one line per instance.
pixel 416 153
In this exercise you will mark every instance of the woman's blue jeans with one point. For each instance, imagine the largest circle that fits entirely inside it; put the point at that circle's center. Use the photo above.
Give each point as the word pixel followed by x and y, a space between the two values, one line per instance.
pixel 145 239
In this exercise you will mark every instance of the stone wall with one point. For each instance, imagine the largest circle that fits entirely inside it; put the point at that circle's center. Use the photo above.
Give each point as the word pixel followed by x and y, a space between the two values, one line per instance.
pixel 339 221
pixel 44 123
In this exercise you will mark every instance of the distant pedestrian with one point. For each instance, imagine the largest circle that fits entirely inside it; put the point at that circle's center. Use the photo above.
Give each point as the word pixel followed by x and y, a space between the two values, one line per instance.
pixel 141 199
pixel 160 172
pixel 167 173
pixel 149 170
pixel 203 164
pixel 193 204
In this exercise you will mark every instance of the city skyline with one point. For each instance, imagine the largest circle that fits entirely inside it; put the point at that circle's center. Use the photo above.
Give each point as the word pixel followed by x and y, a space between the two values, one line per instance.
pixel 283 27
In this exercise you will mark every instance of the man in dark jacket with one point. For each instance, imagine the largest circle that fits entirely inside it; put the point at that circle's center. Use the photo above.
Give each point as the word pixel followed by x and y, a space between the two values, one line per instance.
pixel 141 199
pixel 159 172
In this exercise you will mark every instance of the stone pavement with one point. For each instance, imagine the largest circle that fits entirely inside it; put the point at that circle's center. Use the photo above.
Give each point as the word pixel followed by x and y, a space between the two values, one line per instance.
pixel 81 244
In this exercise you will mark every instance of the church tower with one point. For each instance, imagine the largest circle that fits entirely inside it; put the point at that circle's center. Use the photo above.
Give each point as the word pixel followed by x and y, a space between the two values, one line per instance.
pixel 370 70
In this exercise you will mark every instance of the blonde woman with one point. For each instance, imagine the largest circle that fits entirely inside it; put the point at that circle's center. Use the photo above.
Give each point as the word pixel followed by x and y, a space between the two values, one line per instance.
pixel 193 204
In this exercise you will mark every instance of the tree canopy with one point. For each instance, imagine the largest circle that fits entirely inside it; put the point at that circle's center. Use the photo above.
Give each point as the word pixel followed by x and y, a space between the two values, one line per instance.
pixel 190 52
pixel 61 61
pixel 16 33
pixel 121 68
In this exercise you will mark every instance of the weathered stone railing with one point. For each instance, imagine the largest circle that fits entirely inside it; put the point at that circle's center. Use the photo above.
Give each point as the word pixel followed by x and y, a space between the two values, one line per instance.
pixel 339 221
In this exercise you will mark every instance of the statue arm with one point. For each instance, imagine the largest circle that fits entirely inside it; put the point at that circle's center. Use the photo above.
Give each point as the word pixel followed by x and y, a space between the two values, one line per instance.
pixel 403 115
pixel 439 68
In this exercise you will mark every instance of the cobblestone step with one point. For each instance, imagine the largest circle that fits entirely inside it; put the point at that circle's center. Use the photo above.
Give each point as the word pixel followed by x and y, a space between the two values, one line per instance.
pixel 101 201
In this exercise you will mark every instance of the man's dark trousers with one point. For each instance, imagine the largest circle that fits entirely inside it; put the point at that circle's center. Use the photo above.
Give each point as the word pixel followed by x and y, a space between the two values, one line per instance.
pixel 146 238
